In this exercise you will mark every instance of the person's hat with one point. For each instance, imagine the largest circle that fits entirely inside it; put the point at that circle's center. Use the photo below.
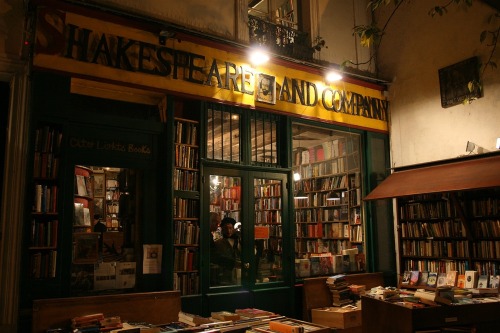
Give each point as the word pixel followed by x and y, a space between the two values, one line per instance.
pixel 227 220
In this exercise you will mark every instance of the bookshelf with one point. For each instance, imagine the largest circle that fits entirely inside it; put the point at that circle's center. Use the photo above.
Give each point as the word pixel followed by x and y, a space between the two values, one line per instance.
pixel 186 224
pixel 450 231
pixel 328 216
pixel 112 201
pixel 268 229
pixel 44 228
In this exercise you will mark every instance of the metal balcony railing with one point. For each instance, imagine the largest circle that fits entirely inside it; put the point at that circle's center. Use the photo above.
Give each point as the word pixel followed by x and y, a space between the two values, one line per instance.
pixel 280 39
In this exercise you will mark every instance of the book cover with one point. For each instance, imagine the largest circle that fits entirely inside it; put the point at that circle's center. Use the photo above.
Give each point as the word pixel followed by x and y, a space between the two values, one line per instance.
pixel 432 280
pixel 494 281
pixel 451 278
pixel 79 214
pixel 441 280
pixel 424 276
pixel 470 279
pixel 406 278
pixel 414 278
pixel 482 281
pixel 285 328
pixel 461 281
pixel 81 188
pixel 315 266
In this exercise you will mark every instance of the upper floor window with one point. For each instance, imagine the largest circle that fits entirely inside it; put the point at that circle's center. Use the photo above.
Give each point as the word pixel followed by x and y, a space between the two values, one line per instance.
pixel 223 134
pixel 283 12
pixel 264 137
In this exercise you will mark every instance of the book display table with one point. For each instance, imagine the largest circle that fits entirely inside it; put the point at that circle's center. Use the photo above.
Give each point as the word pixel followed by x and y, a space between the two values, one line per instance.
pixel 382 316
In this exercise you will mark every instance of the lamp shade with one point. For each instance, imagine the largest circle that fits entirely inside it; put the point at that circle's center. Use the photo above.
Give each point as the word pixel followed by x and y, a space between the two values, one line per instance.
pixel 300 194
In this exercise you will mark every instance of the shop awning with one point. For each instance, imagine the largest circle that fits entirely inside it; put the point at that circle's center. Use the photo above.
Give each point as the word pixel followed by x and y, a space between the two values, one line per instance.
pixel 479 171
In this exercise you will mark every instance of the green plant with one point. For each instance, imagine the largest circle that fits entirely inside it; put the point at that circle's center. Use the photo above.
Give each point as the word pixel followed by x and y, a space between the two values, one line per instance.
pixel 371 35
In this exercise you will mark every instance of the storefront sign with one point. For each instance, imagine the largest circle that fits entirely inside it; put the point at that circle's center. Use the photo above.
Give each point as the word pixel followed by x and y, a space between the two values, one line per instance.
pixel 73 43
pixel 109 146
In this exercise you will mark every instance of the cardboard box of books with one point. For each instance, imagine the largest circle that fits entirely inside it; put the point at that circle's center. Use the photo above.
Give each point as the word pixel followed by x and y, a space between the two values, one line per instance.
pixel 337 317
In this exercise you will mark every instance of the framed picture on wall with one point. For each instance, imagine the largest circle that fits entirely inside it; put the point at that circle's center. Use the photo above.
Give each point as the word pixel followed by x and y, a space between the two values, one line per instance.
pixel 99 185
pixel 99 206
pixel 266 88
pixel 86 249
pixel 459 82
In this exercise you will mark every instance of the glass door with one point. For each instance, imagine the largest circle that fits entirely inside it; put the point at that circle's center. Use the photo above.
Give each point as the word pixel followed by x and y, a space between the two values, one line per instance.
pixel 246 226
pixel 226 224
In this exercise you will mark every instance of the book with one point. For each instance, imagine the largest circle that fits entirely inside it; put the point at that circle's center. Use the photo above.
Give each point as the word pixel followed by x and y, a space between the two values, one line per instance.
pixel 225 315
pixel 482 281
pixel 252 313
pixel 432 280
pixel 406 278
pixel 451 278
pixel 441 280
pixel 494 281
pixel 424 276
pixel 280 327
pixel 414 278
pixel 81 187
pixel 192 319
pixel 471 279
pixel 461 281
pixel 79 214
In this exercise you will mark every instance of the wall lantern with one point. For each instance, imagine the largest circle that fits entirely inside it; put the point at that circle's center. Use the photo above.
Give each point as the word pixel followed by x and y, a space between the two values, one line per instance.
pixel 333 76
pixel 258 56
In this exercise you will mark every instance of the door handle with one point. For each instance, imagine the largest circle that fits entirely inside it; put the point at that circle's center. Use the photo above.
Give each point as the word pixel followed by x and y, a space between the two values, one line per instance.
pixel 246 265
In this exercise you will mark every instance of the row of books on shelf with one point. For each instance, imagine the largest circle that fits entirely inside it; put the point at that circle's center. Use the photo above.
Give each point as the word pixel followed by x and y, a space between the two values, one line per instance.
pixel 356 233
pixel 186 132
pixel 185 180
pixel 324 169
pixel 186 157
pixel 321 245
pixel 43 264
pixel 485 207
pixel 268 216
pixel 44 234
pixel 452 278
pixel 267 190
pixel 324 184
pixel 185 208
pixel 427 210
pixel 445 228
pixel 486 249
pixel 487 228
pixel 321 230
pixel 185 259
pixel 322 214
pixel 45 199
pixel 187 283
pixel 48 139
pixel 435 248
pixel 328 149
pixel 350 260
pixel 267 203
pixel 45 165
pixel 186 232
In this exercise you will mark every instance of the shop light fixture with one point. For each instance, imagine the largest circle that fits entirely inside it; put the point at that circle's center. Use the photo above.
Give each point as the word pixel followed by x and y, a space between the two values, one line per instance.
pixel 300 195
pixel 332 196
pixel 258 56
pixel 296 176
pixel 333 76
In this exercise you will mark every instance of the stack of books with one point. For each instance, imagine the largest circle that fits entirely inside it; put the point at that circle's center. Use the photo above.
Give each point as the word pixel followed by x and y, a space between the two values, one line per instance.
pixel 193 319
pixel 95 323
pixel 339 287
